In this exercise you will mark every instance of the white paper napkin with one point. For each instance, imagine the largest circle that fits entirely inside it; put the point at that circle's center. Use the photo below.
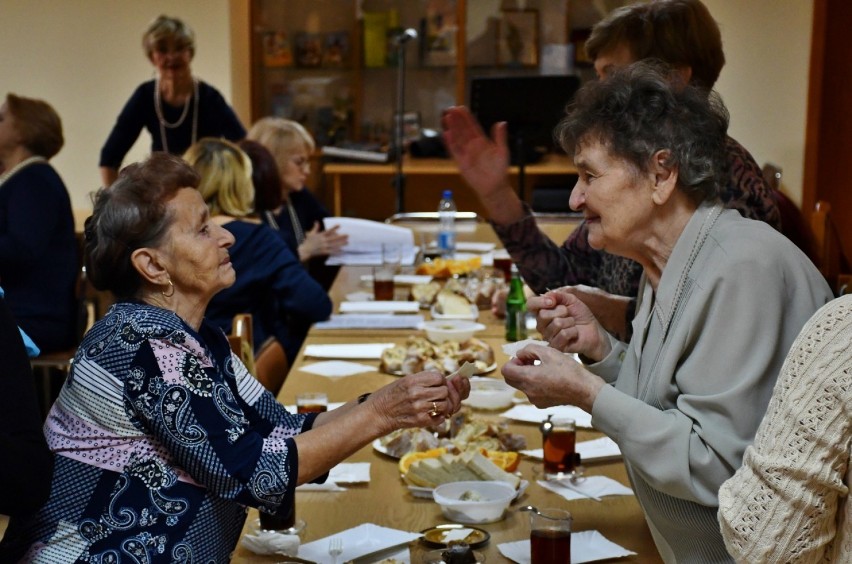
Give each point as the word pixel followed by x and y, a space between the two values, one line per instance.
pixel 371 321
pixel 379 307
pixel 590 451
pixel 586 546
pixel 271 542
pixel 402 279
pixel 359 351
pixel 358 541
pixel 532 414
pixel 590 487
pixel 337 368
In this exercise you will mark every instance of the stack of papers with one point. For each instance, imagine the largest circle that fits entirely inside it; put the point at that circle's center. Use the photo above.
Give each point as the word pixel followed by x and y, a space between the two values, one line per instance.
pixel 365 241
pixel 371 321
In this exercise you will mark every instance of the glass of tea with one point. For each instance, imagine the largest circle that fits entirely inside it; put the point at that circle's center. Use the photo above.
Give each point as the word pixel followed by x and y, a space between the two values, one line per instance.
pixel 503 263
pixel 383 289
pixel 311 402
pixel 550 536
pixel 559 435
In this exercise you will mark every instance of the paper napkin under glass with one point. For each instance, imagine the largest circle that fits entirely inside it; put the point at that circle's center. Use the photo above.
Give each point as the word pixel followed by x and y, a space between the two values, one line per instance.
pixel 261 541
pixel 592 486
pixel 343 473
pixel 586 546
pixel 358 541
pixel 589 451
pixel 532 414
pixel 337 368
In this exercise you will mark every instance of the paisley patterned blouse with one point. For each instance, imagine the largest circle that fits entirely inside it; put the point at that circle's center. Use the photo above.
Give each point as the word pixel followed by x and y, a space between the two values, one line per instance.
pixel 161 439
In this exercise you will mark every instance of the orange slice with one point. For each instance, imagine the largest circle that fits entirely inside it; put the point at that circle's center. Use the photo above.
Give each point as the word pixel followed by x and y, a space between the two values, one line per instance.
pixel 507 461
pixel 411 457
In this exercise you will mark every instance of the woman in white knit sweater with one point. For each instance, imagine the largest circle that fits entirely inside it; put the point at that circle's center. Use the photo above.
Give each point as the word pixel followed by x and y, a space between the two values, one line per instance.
pixel 789 502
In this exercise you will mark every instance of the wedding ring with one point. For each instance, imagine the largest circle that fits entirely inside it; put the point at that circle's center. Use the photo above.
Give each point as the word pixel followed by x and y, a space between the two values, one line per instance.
pixel 434 412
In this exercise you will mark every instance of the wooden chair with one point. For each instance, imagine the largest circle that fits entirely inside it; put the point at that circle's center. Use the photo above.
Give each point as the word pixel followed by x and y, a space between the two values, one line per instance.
pixel 793 223
pixel 241 341
pixel 829 254
pixel 271 365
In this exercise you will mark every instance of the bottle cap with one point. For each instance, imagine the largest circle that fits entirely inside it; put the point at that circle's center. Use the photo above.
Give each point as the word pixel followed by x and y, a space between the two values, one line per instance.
pixel 448 194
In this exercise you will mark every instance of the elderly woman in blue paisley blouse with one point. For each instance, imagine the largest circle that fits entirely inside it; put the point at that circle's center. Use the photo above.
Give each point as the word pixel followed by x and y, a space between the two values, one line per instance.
pixel 161 437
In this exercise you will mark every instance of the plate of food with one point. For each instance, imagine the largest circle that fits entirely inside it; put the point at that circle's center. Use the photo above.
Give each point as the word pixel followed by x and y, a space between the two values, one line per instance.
pixel 418 353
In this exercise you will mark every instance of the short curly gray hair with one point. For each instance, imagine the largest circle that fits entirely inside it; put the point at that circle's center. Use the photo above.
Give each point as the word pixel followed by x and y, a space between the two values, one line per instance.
pixel 642 109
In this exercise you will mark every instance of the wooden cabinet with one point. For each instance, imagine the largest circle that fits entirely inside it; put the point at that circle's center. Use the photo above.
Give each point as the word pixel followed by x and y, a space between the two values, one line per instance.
pixel 331 65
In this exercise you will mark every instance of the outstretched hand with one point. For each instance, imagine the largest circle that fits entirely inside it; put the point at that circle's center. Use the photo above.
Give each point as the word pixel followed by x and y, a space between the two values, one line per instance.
pixel 568 324
pixel 322 243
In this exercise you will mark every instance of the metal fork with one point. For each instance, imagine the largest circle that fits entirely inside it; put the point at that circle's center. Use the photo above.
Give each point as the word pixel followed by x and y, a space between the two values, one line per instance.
pixel 335 548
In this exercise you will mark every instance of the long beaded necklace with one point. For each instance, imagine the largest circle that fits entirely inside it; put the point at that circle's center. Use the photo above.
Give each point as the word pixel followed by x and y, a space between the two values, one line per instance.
pixel 24 163
pixel 158 108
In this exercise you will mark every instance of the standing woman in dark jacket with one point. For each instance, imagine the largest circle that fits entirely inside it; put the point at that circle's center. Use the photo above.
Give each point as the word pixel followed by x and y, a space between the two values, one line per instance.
pixel 38 251
pixel 176 108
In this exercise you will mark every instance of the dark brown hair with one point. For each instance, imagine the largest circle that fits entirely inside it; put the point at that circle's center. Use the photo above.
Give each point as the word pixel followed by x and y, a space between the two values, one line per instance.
pixel 264 176
pixel 37 123
pixel 678 32
pixel 132 214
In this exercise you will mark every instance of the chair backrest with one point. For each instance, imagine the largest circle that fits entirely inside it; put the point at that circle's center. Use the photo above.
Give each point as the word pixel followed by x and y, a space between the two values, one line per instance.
pixel 240 339
pixel 271 365
pixel 432 216
pixel 831 262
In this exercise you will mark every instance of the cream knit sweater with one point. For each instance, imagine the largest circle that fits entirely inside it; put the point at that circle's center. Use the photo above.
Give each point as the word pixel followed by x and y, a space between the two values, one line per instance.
pixel 789 502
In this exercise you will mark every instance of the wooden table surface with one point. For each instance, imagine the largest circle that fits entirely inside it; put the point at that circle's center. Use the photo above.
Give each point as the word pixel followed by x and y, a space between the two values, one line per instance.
pixel 386 501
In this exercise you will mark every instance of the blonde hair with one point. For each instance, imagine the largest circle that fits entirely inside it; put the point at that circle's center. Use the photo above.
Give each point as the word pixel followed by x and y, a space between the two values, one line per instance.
pixel 163 28
pixel 282 137
pixel 225 172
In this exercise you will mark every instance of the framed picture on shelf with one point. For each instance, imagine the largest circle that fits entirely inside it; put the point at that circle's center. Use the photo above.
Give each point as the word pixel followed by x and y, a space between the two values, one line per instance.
pixel 308 50
pixel 335 53
pixel 438 34
pixel 276 49
pixel 517 40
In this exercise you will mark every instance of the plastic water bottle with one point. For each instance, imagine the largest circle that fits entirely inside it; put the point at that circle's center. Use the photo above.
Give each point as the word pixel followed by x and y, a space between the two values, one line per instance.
pixel 516 309
pixel 447 232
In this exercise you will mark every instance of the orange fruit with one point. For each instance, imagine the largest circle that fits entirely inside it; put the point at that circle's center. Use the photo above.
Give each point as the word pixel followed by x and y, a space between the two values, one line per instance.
pixel 507 461
pixel 408 459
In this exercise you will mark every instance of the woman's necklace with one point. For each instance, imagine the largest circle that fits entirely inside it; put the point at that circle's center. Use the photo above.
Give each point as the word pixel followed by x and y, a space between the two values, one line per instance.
pixel 297 225
pixel 158 108
pixel 24 163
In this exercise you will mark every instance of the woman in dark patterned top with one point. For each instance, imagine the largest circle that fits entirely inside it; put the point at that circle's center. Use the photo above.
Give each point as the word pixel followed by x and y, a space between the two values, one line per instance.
pixel 683 34
pixel 161 437
pixel 176 108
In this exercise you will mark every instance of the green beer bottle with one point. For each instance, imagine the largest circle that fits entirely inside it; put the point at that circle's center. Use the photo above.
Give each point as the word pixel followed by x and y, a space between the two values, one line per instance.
pixel 516 308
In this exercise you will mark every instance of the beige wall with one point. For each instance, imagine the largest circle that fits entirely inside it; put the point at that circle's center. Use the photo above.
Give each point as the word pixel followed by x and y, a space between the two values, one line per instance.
pixel 84 57
pixel 765 81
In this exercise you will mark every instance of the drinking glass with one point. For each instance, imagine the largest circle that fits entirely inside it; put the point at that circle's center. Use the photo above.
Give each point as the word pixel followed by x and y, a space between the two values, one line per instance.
pixel 383 288
pixel 311 402
pixel 559 435
pixel 550 536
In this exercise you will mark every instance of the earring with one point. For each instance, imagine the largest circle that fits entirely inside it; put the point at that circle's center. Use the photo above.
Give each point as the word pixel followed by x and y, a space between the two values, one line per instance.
pixel 171 292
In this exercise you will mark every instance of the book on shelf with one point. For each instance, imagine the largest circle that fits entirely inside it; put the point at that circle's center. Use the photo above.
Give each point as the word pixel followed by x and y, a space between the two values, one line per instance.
pixel 336 51
pixel 367 152
pixel 308 49
pixel 276 49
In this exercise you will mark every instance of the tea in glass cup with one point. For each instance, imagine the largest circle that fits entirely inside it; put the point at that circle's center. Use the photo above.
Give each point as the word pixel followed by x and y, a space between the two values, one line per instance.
pixel 559 436
pixel 550 537
pixel 311 402
pixel 383 288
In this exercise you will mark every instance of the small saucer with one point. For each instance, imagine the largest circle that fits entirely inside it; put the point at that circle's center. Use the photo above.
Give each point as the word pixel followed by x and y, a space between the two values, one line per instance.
pixel 433 536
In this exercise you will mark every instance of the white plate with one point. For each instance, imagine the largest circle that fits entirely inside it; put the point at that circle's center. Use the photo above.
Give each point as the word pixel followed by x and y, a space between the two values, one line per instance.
pixel 357 541
pixel 474 313
pixel 382 449
pixel 490 368
pixel 426 493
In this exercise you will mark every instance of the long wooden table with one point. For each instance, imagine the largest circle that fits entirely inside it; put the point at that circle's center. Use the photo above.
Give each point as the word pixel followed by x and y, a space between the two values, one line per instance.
pixel 387 502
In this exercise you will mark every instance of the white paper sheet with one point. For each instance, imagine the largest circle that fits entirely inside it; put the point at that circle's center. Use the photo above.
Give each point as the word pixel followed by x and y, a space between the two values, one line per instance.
pixel 595 450
pixel 586 546
pixel 337 368
pixel 357 541
pixel 366 238
pixel 592 486
pixel 371 351
pixel 379 307
pixel 371 321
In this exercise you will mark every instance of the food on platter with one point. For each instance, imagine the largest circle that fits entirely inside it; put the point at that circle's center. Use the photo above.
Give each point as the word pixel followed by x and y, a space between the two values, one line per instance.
pixel 446 268
pixel 448 302
pixel 507 461
pixel 470 465
pixel 464 432
pixel 425 294
pixel 418 354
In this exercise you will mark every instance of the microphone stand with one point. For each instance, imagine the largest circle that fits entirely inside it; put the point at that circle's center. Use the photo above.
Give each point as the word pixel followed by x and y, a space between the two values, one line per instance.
pixel 398 181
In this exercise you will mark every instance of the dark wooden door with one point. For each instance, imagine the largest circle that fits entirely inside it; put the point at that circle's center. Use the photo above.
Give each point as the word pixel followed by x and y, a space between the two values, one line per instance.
pixel 828 138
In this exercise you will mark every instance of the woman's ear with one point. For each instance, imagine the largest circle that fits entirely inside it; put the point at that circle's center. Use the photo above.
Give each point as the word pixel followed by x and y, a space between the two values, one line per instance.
pixel 147 263
pixel 665 176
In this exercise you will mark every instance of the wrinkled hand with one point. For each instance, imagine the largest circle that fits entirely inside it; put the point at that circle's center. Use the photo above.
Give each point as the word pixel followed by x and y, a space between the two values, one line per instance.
pixel 609 309
pixel 322 243
pixel 568 324
pixel 407 402
pixel 557 380
pixel 483 162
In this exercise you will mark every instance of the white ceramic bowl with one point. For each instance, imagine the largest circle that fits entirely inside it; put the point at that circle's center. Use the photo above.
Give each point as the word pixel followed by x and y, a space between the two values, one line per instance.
pixel 488 393
pixel 495 498
pixel 474 313
pixel 440 330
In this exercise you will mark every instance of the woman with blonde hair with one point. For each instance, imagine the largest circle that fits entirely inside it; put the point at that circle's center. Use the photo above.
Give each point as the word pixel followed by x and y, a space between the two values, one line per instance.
pixel 38 251
pixel 299 217
pixel 271 283
pixel 176 108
